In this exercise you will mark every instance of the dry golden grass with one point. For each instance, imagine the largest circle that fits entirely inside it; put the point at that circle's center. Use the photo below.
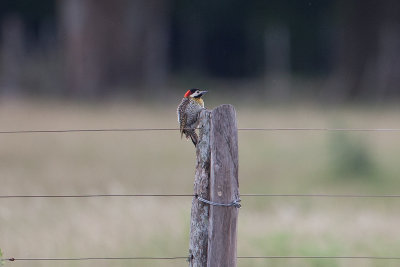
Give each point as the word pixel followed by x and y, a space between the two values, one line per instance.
pixel 159 162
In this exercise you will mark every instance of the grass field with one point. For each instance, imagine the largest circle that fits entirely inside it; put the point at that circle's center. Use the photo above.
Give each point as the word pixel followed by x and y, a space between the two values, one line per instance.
pixel 159 162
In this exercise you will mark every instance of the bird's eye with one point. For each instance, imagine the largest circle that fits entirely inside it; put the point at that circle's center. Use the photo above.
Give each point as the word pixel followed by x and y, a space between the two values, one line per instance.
pixel 197 91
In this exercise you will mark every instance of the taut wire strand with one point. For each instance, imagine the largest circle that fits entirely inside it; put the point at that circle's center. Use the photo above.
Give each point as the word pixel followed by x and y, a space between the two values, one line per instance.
pixel 185 258
pixel 96 195
pixel 192 195
pixel 95 258
pixel 321 195
pixel 325 129
pixel 319 257
pixel 176 129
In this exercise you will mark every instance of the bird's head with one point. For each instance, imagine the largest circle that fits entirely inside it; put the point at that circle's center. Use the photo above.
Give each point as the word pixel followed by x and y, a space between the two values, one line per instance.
pixel 194 93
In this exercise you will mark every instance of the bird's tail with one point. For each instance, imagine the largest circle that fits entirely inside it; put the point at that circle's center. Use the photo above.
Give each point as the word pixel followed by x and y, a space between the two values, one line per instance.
pixel 193 136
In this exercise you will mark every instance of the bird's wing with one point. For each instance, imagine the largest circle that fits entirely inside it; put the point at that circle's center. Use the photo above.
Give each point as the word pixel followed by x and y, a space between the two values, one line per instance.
pixel 182 123
pixel 182 116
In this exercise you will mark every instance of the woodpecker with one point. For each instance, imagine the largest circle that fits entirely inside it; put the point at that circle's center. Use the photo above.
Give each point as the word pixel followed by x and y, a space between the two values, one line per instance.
pixel 188 113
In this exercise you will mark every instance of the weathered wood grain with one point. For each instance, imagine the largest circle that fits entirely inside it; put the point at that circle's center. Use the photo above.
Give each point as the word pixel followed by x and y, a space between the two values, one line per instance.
pixel 224 187
pixel 200 211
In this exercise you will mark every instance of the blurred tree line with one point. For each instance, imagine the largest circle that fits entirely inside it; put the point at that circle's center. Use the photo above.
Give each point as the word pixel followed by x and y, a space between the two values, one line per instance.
pixel 86 48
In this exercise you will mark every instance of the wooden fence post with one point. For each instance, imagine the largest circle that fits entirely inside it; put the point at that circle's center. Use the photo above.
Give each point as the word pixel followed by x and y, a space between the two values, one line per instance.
pixel 213 228
pixel 224 187
pixel 200 210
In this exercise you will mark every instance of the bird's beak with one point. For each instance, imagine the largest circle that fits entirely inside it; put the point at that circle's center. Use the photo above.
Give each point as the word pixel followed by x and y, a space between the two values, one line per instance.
pixel 203 92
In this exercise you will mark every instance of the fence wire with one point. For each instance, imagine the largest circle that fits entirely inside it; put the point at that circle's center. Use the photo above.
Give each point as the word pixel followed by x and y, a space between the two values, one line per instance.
pixel 177 129
pixel 186 258
pixel 192 195
pixel 319 257
pixel 96 195
pixel 95 258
